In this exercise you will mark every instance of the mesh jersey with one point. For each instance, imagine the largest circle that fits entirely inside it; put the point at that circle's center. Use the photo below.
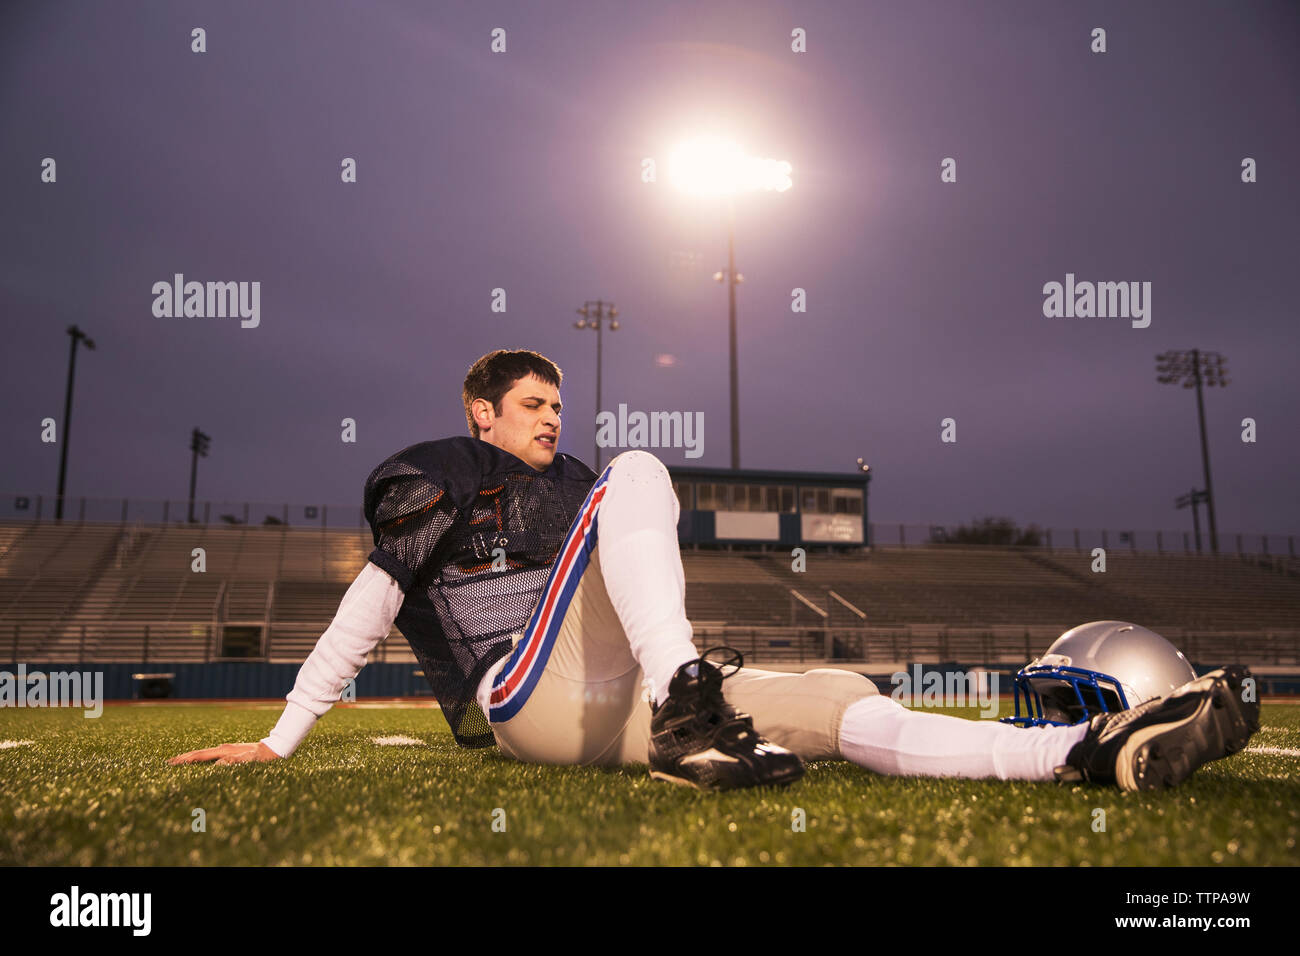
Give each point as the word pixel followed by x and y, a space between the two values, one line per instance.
pixel 437 511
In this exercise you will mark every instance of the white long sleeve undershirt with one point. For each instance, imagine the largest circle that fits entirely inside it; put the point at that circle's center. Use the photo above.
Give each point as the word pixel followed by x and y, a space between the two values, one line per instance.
pixel 364 618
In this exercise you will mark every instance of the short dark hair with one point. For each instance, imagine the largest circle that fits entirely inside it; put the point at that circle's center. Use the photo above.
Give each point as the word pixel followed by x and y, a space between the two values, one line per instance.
pixel 496 373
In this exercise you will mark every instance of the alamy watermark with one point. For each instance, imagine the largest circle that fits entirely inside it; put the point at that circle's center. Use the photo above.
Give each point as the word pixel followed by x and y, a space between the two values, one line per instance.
pixel 75 908
pixel 652 430
pixel 53 689
pixel 1102 300
pixel 947 689
pixel 212 300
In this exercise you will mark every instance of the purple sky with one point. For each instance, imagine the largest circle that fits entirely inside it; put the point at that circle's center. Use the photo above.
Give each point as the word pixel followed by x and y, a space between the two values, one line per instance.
pixel 521 171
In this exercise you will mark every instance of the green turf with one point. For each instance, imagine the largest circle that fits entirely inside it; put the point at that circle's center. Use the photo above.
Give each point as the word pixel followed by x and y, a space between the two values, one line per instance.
pixel 93 792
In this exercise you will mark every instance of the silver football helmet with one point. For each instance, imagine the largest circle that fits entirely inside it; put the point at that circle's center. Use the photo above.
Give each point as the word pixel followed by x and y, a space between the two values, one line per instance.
pixel 1096 668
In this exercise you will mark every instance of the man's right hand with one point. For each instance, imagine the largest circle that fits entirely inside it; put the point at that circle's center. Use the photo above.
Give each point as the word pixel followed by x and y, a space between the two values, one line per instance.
pixel 228 753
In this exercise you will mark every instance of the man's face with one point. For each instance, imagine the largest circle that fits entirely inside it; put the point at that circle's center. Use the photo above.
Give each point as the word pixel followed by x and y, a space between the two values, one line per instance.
pixel 529 424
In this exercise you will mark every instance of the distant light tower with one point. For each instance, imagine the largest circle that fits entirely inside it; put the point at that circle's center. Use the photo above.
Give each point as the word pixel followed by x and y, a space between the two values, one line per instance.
pixel 1190 368
pixel 866 525
pixel 199 446
pixel 77 336
pixel 1191 500
pixel 594 315
pixel 711 167
pixel 733 279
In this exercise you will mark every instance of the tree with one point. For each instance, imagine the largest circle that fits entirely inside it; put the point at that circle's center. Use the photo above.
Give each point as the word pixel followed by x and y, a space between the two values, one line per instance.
pixel 998 531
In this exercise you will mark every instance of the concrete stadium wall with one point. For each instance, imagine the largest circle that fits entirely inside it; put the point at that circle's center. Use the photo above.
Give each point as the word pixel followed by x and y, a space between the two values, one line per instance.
pixel 232 679
pixel 260 680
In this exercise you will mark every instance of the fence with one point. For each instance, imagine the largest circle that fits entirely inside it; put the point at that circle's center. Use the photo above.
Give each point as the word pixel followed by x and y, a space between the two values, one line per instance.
pixel 189 654
pixel 35 508
pixel 145 642
pixel 883 535
pixel 973 645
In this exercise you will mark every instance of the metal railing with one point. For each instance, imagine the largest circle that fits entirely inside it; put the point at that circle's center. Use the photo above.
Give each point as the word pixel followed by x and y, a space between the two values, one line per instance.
pixel 887 535
pixel 175 511
pixel 975 644
pixel 16 506
pixel 150 641
pixel 989 645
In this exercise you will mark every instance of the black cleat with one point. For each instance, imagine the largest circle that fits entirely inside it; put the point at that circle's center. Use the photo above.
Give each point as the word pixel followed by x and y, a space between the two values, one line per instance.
pixel 1161 742
pixel 699 740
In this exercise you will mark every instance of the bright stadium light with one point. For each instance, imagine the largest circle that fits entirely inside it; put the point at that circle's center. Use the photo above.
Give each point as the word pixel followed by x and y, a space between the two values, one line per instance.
pixel 710 167
pixel 716 167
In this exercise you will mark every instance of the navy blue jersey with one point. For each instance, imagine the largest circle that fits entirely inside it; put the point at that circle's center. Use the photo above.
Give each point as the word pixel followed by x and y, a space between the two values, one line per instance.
pixel 439 511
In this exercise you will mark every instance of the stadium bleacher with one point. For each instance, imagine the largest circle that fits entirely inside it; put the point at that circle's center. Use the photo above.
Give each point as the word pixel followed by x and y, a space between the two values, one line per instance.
pixel 102 592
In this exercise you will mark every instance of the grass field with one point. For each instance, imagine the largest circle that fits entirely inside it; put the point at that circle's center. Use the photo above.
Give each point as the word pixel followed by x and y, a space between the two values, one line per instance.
pixel 96 792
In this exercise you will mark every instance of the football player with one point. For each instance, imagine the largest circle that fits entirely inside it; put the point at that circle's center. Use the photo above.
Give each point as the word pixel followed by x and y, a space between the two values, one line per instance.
pixel 546 605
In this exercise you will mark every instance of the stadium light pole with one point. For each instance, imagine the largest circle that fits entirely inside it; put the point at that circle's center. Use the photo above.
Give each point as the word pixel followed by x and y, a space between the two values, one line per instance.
pixel 710 167
pixel 1191 500
pixel 77 336
pixel 866 494
pixel 593 317
pixel 733 279
pixel 1191 368
pixel 199 447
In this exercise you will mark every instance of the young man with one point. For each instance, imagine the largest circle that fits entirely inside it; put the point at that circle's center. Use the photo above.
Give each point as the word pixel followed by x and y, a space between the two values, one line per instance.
pixel 546 605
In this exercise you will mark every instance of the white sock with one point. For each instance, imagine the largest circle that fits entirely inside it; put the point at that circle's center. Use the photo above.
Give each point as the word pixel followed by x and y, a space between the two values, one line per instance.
pixel 884 736
pixel 636 532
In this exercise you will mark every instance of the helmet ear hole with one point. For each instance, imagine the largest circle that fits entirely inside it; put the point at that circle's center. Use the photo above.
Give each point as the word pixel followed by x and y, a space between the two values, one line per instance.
pixel 1100 699
pixel 1061 704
